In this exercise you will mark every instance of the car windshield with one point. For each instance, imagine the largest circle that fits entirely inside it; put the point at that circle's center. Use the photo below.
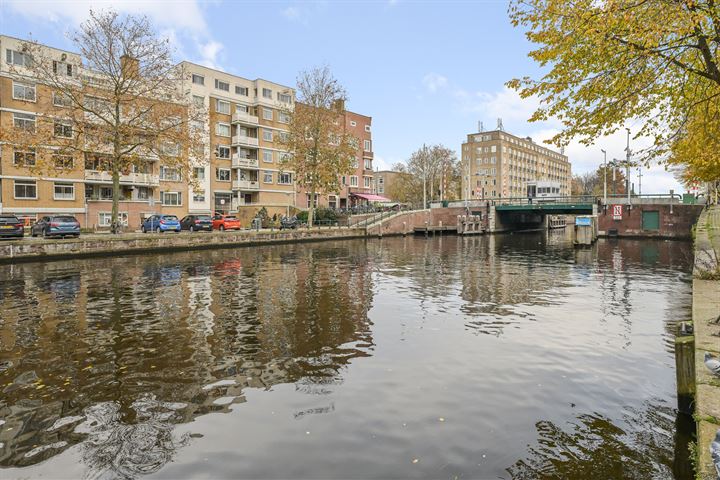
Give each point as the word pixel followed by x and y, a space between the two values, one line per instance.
pixel 172 218
pixel 204 217
pixel 64 219
pixel 230 218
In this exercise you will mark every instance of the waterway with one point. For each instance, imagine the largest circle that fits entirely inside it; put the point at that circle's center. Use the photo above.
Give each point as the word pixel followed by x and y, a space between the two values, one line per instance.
pixel 509 356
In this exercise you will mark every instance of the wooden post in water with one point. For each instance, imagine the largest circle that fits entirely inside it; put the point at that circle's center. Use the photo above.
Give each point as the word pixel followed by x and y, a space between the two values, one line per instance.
pixel 685 368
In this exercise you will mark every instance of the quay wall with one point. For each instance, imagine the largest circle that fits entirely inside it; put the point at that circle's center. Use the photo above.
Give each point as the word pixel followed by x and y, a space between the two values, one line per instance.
pixel 109 245
pixel 675 221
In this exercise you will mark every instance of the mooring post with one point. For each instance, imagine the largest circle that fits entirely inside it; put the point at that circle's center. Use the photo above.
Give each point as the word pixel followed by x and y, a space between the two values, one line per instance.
pixel 426 229
pixel 404 231
pixel 440 227
pixel 685 368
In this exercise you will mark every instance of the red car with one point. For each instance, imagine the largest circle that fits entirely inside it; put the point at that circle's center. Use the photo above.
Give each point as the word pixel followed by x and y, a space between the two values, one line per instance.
pixel 225 222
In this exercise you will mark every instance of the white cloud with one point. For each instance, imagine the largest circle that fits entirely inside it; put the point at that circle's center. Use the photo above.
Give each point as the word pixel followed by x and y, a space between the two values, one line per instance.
pixel 183 24
pixel 381 163
pixel 434 82
pixel 291 13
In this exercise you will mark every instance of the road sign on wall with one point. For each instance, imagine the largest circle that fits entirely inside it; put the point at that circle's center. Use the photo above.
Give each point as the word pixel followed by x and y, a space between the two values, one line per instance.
pixel 617 212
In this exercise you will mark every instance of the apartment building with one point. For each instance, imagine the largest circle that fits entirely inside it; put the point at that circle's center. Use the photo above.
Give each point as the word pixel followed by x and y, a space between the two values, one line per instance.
pixel 383 180
pixel 241 170
pixel 357 187
pixel 74 183
pixel 497 164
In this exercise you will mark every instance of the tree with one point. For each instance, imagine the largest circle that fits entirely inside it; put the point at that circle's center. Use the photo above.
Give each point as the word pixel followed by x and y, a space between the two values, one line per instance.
pixel 320 148
pixel 432 173
pixel 612 61
pixel 123 108
pixel 592 183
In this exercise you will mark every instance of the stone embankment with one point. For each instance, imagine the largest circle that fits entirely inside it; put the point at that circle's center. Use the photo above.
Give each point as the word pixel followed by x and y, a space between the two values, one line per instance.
pixel 30 249
pixel 706 326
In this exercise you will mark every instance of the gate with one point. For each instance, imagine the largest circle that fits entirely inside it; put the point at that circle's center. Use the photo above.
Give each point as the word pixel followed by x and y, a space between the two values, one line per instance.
pixel 651 220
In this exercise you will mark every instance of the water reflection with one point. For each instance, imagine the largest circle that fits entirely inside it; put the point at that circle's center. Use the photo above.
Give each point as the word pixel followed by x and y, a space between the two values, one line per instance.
pixel 119 363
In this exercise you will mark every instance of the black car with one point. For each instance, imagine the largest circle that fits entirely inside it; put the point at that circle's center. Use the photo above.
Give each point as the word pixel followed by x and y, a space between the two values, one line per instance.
pixel 56 226
pixel 11 226
pixel 196 223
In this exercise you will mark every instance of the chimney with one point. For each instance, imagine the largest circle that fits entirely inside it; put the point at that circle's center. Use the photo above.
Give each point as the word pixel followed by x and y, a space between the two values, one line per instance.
pixel 339 104
pixel 129 66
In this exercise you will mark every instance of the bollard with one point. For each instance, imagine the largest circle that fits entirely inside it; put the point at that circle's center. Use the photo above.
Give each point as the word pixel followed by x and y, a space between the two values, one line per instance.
pixel 440 227
pixel 426 229
pixel 404 229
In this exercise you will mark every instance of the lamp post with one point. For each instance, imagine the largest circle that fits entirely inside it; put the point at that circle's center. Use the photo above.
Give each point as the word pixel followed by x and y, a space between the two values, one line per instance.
pixel 425 162
pixel 605 176
pixel 627 166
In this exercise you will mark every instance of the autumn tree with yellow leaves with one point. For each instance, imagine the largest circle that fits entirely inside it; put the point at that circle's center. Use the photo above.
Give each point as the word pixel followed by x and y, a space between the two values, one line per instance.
pixel 610 61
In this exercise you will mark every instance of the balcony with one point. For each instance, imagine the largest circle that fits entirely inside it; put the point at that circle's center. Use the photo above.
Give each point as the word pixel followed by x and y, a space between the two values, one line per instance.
pixel 246 185
pixel 146 179
pixel 245 118
pixel 246 141
pixel 238 161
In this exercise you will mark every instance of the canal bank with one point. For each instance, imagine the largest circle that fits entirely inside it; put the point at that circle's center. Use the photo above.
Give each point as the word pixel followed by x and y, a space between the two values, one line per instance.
pixel 131 243
pixel 706 323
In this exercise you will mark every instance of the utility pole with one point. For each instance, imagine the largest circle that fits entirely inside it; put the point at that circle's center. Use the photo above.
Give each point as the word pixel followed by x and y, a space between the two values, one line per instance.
pixel 640 175
pixel 605 176
pixel 627 166
pixel 425 164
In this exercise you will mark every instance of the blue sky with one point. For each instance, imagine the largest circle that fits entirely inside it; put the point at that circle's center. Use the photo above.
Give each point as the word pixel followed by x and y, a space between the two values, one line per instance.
pixel 426 72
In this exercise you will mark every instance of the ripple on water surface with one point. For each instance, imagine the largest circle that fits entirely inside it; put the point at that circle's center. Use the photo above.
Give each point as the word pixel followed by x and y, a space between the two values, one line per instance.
pixel 486 357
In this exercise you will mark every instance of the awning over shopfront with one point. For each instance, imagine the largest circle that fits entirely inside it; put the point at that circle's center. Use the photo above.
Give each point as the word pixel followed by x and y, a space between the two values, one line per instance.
pixel 370 197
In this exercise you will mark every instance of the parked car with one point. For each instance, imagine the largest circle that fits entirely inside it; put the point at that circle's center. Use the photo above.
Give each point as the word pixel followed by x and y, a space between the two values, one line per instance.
pixel 161 223
pixel 56 226
pixel 289 222
pixel 196 223
pixel 11 226
pixel 225 222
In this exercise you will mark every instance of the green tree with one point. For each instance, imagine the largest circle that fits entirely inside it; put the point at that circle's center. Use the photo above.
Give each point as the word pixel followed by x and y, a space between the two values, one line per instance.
pixel 612 61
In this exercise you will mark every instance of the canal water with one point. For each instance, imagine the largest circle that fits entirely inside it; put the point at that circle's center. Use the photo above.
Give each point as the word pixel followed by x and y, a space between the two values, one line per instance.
pixel 509 356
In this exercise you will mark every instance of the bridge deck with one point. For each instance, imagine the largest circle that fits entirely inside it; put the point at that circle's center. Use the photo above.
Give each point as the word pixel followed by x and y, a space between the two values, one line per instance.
pixel 546 207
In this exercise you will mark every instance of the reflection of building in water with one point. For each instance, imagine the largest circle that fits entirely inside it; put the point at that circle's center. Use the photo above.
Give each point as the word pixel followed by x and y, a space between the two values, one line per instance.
pixel 116 340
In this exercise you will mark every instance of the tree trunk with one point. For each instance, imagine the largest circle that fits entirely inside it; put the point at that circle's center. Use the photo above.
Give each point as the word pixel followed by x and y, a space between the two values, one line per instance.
pixel 114 224
pixel 311 211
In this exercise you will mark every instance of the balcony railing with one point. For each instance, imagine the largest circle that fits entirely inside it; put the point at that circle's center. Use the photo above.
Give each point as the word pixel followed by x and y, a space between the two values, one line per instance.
pixel 246 185
pixel 244 117
pixel 238 161
pixel 131 178
pixel 243 140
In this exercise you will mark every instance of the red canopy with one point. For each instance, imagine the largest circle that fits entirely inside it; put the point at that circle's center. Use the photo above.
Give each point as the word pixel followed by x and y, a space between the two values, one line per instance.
pixel 371 197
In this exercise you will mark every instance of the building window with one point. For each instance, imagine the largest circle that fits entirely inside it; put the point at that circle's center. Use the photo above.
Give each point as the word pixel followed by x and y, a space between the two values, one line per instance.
pixel 199 196
pixel 14 57
pixel 220 85
pixel 283 117
pixel 367 146
pixel 267 93
pixel 25 190
pixel 267 114
pixel 62 68
pixel 198 101
pixel 198 79
pixel 267 177
pixel 267 156
pixel 24 158
pixel 343 181
pixel 267 135
pixel 355 163
pixel 368 164
pixel 105 219
pixel 170 174
pixel 222 174
pixel 24 91
pixel 24 121
pixel 222 107
pixel 172 199
pixel 367 181
pixel 284 97
pixel 63 129
pixel 143 193
pixel 241 90
pixel 353 181
pixel 199 173
pixel 223 151
pixel 64 191
pixel 63 161
pixel 284 178
pixel 222 129
pixel 61 99
pixel 353 123
pixel 367 128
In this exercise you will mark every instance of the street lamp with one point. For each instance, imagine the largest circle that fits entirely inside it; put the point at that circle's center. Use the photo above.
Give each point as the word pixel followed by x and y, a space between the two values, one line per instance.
pixel 627 166
pixel 605 176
